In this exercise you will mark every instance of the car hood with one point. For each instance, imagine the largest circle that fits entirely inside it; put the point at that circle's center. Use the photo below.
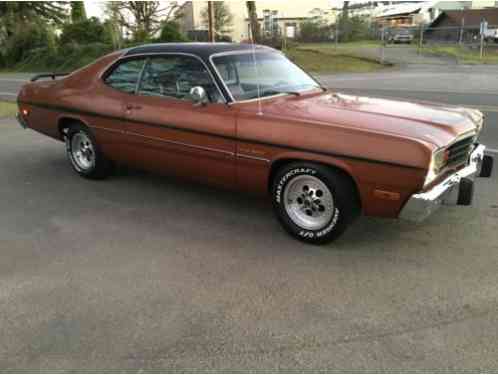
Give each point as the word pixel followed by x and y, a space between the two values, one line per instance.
pixel 431 123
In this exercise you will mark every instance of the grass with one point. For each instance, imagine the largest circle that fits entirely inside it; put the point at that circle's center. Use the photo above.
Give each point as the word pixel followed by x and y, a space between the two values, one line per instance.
pixel 326 59
pixel 464 55
pixel 315 57
pixel 7 109
pixel 356 49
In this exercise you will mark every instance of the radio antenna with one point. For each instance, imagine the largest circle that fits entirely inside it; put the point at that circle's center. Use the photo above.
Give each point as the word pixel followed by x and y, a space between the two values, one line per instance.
pixel 256 71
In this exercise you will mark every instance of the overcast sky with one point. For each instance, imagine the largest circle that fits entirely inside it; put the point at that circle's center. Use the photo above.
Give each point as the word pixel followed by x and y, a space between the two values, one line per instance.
pixel 94 8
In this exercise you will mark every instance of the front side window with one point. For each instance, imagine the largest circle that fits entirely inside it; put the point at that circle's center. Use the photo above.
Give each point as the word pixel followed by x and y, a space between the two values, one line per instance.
pixel 261 74
pixel 174 77
pixel 126 75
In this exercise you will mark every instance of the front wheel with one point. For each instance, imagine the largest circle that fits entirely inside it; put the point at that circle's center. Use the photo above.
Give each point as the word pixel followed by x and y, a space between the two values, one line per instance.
pixel 84 153
pixel 314 203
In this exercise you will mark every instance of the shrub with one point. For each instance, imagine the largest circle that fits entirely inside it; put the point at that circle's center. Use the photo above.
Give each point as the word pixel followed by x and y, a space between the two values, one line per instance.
pixel 83 32
pixel 170 32
pixel 25 39
pixel 311 31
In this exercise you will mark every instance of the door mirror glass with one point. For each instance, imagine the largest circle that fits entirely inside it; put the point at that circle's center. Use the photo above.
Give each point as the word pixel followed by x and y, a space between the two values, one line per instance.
pixel 198 95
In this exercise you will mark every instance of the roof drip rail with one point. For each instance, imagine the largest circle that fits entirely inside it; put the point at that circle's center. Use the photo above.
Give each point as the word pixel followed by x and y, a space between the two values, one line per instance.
pixel 46 75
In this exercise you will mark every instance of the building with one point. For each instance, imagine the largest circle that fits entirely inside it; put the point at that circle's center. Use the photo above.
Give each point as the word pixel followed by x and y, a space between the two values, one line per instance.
pixel 461 26
pixel 281 17
pixel 411 13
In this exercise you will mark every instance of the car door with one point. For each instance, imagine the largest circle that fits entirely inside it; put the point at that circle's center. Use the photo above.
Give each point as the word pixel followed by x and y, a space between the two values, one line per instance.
pixel 168 133
pixel 109 103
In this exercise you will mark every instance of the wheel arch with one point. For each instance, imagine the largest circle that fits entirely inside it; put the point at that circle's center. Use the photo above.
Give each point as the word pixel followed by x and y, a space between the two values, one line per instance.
pixel 337 165
pixel 64 121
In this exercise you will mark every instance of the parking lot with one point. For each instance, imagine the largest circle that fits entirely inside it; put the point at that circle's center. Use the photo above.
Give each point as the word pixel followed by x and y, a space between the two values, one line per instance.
pixel 141 272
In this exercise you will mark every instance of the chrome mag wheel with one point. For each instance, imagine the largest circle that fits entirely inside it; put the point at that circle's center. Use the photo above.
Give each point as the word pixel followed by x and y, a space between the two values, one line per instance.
pixel 309 202
pixel 82 151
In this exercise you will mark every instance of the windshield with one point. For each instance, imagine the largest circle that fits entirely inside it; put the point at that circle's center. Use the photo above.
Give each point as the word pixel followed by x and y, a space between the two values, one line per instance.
pixel 261 74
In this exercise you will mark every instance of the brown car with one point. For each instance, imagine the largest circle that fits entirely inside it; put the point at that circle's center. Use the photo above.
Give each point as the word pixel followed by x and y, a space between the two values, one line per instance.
pixel 244 117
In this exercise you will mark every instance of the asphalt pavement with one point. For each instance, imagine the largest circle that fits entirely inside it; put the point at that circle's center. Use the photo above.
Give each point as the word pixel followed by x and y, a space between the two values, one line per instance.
pixel 141 272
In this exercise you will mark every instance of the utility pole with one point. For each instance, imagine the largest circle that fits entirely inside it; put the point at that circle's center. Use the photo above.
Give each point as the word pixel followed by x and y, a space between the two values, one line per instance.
pixel 383 44
pixel 211 28
pixel 462 28
pixel 421 39
pixel 336 32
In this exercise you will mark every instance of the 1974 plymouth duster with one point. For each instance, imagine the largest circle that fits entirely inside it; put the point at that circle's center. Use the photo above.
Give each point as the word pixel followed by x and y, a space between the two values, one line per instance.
pixel 244 117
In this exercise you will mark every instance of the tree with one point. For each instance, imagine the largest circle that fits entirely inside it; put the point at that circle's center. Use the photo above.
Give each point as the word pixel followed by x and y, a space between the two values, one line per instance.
pixel 170 32
pixel 26 25
pixel 345 27
pixel 254 22
pixel 113 28
pixel 17 13
pixel 313 31
pixel 145 18
pixel 83 32
pixel 223 18
pixel 78 12
pixel 32 36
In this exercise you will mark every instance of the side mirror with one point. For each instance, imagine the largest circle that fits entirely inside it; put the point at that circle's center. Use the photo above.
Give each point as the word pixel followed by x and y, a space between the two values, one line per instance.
pixel 198 95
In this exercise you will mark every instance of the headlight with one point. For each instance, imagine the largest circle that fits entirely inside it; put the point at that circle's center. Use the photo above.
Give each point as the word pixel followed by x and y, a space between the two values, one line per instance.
pixel 478 119
pixel 438 162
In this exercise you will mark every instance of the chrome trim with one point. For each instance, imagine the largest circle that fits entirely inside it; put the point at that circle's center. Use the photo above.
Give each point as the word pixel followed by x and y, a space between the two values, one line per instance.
pixel 243 156
pixel 420 206
pixel 138 55
pixel 107 129
pixel 228 153
pixel 461 137
pixel 245 52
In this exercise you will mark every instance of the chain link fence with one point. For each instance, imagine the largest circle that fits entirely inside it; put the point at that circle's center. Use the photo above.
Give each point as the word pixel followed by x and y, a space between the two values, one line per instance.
pixel 414 44
pixel 465 42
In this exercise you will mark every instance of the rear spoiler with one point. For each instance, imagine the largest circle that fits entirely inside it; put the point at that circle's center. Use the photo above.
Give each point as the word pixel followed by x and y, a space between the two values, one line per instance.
pixel 46 75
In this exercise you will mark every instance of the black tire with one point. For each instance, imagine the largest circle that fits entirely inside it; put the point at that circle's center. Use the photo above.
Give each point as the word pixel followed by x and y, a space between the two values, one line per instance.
pixel 487 166
pixel 344 210
pixel 100 167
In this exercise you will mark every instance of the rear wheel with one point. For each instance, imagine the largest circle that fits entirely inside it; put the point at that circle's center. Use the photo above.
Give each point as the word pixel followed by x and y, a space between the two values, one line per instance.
pixel 84 153
pixel 314 203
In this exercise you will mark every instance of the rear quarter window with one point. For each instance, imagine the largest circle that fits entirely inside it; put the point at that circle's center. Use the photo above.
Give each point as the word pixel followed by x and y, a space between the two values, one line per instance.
pixel 125 76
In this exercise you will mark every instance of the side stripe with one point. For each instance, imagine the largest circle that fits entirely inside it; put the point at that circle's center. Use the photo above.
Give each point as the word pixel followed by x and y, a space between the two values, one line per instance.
pixel 231 138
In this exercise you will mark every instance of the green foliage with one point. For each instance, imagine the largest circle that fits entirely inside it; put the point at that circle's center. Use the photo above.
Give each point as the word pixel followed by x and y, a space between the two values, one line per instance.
pixel 353 29
pixel 170 32
pixel 78 12
pixel 25 39
pixel 13 13
pixel 112 34
pixel 312 31
pixel 223 18
pixel 86 31
pixel 74 56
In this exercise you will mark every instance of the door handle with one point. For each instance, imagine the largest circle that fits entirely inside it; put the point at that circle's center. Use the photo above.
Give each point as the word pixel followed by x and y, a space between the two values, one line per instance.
pixel 129 107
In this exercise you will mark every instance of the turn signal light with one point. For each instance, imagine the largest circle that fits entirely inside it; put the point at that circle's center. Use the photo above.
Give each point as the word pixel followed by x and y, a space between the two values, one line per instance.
pixel 387 195
pixel 25 112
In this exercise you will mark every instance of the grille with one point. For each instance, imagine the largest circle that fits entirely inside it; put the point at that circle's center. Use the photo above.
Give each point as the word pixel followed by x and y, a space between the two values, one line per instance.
pixel 459 152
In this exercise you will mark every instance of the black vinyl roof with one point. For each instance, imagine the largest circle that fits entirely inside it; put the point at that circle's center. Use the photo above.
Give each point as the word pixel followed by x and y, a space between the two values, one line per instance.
pixel 202 50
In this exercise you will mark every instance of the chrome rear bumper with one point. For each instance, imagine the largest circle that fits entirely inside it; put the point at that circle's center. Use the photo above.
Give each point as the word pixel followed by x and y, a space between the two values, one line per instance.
pixel 421 206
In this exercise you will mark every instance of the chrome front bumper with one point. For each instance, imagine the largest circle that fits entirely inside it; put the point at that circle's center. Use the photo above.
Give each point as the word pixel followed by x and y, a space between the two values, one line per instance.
pixel 421 206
